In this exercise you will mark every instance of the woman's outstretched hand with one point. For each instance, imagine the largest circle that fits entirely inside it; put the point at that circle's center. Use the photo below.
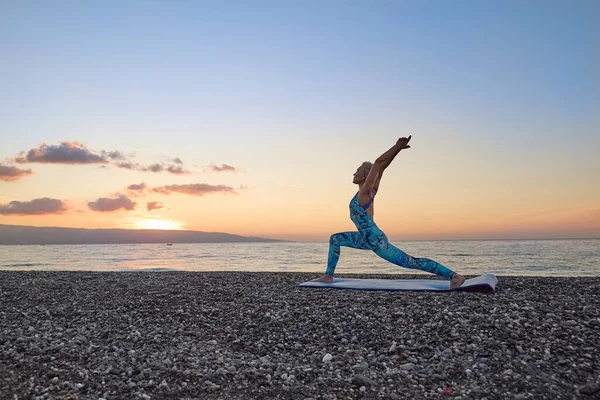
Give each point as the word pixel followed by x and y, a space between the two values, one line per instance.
pixel 403 142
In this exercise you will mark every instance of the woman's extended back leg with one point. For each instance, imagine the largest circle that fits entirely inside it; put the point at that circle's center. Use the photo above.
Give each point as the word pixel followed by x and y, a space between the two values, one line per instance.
pixel 391 253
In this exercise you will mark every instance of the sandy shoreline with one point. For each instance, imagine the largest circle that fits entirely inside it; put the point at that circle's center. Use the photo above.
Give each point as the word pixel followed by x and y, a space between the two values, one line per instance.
pixel 205 335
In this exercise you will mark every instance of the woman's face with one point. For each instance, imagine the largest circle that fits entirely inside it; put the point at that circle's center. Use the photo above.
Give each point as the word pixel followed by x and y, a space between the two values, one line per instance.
pixel 358 176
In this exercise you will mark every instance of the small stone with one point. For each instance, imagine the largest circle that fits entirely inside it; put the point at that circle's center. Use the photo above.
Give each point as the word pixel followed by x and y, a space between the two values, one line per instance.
pixel 589 388
pixel 519 349
pixel 362 380
pixel 571 322
pixel 362 389
pixel 328 357
pixel 54 380
pixel 407 366
pixel 447 353
pixel 164 385
pixel 212 342
pixel 520 396
pixel 393 347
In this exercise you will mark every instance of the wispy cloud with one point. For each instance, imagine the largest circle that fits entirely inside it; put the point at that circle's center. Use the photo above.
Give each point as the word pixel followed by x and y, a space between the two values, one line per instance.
pixel 64 153
pixel 154 168
pixel 173 169
pixel 74 152
pixel 154 205
pixel 137 187
pixel 194 189
pixel 8 173
pixel 177 170
pixel 128 165
pixel 40 206
pixel 105 204
pixel 113 155
pixel 223 168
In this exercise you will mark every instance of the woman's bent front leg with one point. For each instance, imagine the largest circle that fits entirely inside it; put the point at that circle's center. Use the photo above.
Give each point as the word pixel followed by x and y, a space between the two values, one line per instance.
pixel 348 239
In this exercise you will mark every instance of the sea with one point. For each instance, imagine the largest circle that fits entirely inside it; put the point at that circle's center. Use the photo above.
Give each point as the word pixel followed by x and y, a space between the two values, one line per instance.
pixel 572 257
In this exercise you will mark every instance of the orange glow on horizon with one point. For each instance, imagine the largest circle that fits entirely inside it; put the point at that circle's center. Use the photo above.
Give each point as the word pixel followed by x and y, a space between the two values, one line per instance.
pixel 158 224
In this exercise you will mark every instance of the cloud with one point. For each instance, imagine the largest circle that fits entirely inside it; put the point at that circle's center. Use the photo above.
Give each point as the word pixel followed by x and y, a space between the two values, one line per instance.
pixel 113 155
pixel 128 165
pixel 136 190
pixel 223 168
pixel 154 168
pixel 137 187
pixel 194 189
pixel 13 173
pixel 177 170
pixel 64 153
pixel 74 152
pixel 41 206
pixel 154 205
pixel 105 204
pixel 173 169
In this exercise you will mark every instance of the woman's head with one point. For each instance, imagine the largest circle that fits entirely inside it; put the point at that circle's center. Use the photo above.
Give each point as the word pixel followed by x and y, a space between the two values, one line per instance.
pixel 361 172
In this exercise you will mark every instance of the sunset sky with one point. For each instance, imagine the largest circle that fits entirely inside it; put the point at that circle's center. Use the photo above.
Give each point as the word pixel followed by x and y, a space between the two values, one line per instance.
pixel 251 117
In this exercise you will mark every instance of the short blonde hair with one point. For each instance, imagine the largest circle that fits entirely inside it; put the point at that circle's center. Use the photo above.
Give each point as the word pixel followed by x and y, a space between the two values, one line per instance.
pixel 365 168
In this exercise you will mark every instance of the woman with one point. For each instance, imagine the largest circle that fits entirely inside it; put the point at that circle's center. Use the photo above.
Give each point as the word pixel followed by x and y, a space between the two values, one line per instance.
pixel 369 236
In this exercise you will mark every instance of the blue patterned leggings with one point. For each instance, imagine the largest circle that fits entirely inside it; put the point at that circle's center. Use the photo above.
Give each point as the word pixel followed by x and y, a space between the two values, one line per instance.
pixel 384 249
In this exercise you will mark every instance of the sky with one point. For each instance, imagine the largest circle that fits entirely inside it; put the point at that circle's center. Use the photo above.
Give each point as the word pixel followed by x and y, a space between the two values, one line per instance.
pixel 252 117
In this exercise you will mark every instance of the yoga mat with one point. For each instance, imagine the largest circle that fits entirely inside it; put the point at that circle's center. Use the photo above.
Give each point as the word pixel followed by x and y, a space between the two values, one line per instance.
pixel 484 283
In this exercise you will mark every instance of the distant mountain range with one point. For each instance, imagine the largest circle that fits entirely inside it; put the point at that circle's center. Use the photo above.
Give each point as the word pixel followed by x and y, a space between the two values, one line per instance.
pixel 16 234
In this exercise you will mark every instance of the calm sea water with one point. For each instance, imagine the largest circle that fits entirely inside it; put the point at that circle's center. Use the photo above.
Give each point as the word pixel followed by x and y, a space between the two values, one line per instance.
pixel 502 257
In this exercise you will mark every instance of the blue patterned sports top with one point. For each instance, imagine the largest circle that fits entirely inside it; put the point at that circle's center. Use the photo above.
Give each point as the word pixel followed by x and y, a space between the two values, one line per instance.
pixel 366 206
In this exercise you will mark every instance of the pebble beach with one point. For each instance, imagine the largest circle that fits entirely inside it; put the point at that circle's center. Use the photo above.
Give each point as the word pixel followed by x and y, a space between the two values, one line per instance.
pixel 257 335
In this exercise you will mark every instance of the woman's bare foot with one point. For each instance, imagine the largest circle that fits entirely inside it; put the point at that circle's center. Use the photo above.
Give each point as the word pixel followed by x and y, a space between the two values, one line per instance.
pixel 325 278
pixel 456 281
